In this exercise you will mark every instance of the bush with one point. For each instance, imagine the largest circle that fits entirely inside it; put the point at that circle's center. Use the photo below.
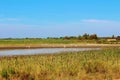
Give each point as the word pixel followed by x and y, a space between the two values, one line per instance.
pixel 11 71
pixel 4 74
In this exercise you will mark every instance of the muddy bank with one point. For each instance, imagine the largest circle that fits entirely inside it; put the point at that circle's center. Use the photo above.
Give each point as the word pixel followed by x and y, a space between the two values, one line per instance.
pixel 58 46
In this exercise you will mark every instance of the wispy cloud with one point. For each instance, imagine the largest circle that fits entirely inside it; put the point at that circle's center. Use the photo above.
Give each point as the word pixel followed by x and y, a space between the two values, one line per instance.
pixel 96 21
pixel 100 27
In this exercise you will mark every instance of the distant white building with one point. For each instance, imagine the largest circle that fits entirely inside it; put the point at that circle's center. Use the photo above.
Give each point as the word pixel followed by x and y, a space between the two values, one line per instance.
pixel 111 40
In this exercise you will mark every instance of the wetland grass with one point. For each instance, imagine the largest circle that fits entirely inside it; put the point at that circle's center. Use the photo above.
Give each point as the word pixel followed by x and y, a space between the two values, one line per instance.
pixel 87 65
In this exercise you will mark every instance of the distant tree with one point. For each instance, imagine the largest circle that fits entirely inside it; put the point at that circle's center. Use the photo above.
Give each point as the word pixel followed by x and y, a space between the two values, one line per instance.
pixel 73 37
pixel 66 37
pixel 26 38
pixel 93 36
pixel 85 36
pixel 113 36
pixel 60 37
pixel 48 37
pixel 79 37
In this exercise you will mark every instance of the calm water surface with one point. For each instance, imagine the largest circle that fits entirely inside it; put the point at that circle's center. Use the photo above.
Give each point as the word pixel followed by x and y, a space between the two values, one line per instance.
pixel 41 51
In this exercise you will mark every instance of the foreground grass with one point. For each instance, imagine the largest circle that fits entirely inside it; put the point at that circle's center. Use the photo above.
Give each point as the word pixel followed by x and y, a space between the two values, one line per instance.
pixel 87 65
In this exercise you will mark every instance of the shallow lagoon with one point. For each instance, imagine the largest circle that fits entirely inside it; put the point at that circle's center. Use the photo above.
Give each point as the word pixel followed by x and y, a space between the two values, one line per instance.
pixel 12 52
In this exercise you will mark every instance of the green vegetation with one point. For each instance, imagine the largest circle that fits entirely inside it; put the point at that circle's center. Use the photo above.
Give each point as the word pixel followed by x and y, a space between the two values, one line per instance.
pixel 18 42
pixel 85 38
pixel 87 65
pixel 44 41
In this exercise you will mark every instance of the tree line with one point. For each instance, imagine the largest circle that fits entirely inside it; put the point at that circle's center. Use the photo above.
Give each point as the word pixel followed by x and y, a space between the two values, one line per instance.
pixel 80 37
pixel 86 37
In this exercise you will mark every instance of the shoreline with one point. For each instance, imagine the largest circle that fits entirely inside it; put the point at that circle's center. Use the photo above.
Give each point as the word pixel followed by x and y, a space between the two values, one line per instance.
pixel 59 46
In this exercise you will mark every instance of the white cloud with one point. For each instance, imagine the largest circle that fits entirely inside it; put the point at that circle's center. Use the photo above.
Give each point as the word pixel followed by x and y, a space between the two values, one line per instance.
pixel 100 27
pixel 96 21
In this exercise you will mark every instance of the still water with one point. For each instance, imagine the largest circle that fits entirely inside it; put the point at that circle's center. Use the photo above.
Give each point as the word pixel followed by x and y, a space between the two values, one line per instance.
pixel 41 51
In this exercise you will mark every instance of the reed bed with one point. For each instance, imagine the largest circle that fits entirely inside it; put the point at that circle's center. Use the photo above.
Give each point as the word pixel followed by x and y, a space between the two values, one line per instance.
pixel 86 65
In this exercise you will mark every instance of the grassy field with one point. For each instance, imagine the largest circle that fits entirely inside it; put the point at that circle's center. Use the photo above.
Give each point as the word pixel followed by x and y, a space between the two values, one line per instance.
pixel 53 41
pixel 44 43
pixel 87 65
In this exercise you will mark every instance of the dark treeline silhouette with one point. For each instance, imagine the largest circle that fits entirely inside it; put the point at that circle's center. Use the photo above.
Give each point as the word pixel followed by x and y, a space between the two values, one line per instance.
pixel 80 37
pixel 85 37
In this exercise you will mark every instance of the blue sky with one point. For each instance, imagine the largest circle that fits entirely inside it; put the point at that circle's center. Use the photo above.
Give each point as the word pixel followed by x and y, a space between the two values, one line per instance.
pixel 55 18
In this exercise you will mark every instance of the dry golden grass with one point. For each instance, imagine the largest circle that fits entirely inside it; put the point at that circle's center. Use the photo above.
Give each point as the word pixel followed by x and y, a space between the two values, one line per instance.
pixel 86 65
